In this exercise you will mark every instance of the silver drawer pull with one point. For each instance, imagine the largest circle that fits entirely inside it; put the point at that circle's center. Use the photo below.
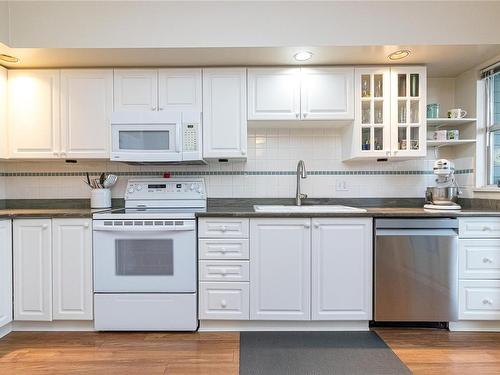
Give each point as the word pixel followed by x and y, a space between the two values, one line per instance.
pixel 223 228
pixel 487 302
pixel 223 303
pixel 486 229
pixel 487 260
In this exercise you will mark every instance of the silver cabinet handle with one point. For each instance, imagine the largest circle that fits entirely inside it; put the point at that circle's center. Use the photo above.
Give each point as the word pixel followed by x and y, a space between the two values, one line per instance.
pixel 161 109
pixel 45 226
pixel 223 303
pixel 297 115
pixel 223 228
pixel 316 225
pixel 487 260
pixel 243 152
pixel 486 229
pixel 86 225
pixel 153 108
pixel 387 153
pixel 304 115
pixel 307 226
pixel 487 301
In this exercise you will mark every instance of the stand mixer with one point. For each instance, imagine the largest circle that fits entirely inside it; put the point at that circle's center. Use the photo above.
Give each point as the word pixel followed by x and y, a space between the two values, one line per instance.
pixel 445 194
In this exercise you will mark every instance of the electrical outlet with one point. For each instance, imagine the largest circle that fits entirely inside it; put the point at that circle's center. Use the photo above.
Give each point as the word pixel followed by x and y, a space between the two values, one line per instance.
pixel 341 185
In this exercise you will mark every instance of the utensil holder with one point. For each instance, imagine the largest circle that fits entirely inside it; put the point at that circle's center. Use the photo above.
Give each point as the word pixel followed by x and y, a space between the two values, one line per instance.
pixel 100 198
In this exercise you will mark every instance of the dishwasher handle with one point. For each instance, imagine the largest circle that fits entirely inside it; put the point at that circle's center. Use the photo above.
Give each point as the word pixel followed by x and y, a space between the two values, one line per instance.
pixel 416 232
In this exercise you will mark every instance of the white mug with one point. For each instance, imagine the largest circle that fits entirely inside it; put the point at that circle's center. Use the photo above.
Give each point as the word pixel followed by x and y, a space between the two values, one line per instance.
pixel 457 113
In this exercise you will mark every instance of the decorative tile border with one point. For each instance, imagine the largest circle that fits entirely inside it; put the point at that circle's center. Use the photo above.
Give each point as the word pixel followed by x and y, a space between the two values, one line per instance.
pixel 224 173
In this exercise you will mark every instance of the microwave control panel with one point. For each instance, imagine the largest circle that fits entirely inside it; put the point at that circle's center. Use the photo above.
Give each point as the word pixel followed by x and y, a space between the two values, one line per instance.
pixel 190 137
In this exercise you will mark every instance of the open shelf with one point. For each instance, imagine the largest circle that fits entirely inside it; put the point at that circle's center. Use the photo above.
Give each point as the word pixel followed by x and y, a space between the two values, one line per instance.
pixel 451 142
pixel 449 121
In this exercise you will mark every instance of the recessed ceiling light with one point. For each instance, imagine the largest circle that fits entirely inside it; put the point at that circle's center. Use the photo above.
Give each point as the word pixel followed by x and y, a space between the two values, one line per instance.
pixel 8 58
pixel 302 56
pixel 398 55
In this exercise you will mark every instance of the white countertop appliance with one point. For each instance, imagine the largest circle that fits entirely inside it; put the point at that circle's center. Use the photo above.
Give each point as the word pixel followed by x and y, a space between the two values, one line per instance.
pixel 145 257
pixel 445 194
pixel 156 137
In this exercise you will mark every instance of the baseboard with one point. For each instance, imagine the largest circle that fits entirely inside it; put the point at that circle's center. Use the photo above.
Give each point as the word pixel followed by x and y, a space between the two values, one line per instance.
pixel 475 325
pixel 5 330
pixel 57 325
pixel 265 325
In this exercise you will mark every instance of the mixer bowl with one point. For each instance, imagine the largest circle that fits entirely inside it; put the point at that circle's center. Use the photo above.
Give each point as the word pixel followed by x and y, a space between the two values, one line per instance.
pixel 442 195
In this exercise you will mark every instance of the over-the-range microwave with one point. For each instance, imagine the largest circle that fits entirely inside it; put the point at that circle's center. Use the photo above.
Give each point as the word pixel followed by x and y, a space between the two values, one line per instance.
pixel 156 137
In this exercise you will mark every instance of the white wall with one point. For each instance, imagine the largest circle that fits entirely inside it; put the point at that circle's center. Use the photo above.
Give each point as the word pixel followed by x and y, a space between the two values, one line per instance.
pixel 269 150
pixel 119 24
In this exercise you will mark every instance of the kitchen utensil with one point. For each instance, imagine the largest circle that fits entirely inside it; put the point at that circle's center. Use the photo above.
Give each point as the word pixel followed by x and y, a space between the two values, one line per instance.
pixel 88 179
pixel 102 177
pixel 442 195
pixel 110 181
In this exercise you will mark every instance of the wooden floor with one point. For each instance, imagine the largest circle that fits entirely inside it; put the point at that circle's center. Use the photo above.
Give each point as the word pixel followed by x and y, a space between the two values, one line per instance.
pixel 423 351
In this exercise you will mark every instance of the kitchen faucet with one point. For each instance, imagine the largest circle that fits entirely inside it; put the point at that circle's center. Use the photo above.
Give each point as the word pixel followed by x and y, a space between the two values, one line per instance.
pixel 301 173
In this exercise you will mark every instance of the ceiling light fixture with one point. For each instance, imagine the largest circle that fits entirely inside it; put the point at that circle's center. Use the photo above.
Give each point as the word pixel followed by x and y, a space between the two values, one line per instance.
pixel 8 58
pixel 400 54
pixel 302 56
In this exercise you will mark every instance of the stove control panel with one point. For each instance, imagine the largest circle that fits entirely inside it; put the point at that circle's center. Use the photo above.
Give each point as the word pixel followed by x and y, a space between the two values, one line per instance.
pixel 165 188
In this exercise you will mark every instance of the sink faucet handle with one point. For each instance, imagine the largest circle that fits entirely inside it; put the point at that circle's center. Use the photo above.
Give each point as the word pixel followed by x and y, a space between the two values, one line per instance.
pixel 303 195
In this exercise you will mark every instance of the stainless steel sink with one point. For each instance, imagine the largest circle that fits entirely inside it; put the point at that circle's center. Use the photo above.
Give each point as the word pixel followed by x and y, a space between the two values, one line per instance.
pixel 307 209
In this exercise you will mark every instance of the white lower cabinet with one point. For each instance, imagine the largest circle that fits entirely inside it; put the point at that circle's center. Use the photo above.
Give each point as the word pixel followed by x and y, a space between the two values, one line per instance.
pixel 224 300
pixel 32 243
pixel 479 299
pixel 52 269
pixel 5 272
pixel 280 269
pixel 342 269
pixel 72 269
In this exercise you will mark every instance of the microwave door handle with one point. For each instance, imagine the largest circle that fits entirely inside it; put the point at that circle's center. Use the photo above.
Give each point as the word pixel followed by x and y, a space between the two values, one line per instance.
pixel 143 229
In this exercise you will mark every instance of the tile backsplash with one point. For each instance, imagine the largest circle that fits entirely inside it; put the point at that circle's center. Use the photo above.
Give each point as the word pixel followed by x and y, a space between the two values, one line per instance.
pixel 268 172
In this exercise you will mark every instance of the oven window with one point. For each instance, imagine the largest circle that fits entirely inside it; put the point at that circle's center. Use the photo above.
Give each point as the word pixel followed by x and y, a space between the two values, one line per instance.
pixel 144 140
pixel 144 257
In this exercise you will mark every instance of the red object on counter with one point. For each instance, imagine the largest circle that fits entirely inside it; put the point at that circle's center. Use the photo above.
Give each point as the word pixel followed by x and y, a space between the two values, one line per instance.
pixel 167 175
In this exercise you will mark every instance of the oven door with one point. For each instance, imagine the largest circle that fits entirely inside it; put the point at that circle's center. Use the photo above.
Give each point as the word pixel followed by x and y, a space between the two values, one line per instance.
pixel 141 256
pixel 147 141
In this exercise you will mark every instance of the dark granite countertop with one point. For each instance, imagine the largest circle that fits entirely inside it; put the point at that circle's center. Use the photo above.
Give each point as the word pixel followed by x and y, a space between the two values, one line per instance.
pixel 243 207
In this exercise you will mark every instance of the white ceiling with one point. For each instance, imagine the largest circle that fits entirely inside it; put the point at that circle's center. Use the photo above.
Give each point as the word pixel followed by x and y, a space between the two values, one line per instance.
pixel 442 61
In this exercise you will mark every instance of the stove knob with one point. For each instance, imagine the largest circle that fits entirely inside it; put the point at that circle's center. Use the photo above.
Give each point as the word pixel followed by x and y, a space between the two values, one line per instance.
pixel 138 187
pixel 131 190
pixel 198 190
pixel 192 187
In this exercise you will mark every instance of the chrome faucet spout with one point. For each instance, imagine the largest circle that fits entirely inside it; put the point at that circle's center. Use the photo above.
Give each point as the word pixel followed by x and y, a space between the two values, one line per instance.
pixel 301 173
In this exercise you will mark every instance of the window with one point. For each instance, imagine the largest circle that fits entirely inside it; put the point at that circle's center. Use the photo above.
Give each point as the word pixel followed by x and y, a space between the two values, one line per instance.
pixel 493 127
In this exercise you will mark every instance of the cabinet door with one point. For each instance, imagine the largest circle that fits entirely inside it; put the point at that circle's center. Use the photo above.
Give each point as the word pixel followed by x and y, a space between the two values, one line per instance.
pixel 179 89
pixel 3 113
pixel 327 93
pixel 408 111
pixel 224 113
pixel 280 260
pixel 5 272
pixel 274 94
pixel 32 242
pixel 86 106
pixel 342 269
pixel 33 123
pixel 372 121
pixel 135 90
pixel 72 269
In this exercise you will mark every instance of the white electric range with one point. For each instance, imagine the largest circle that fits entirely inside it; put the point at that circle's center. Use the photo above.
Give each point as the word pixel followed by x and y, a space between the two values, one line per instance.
pixel 145 257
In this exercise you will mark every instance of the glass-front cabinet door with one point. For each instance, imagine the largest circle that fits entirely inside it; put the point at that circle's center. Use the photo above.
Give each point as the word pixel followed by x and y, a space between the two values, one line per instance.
pixel 408 103
pixel 372 117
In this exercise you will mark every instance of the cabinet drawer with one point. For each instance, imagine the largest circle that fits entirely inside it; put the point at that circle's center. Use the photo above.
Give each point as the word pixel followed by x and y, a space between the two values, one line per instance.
pixel 479 300
pixel 479 259
pixel 224 227
pixel 479 227
pixel 224 300
pixel 223 249
pixel 224 270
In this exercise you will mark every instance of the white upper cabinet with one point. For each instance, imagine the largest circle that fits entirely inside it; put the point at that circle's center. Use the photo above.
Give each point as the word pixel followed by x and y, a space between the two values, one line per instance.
pixel 135 89
pixel 280 269
pixel 5 272
pixel 180 90
pixel 33 113
pixel 224 113
pixel 327 93
pixel 408 111
pixel 342 269
pixel 3 113
pixel 32 243
pixel 300 94
pixel 72 269
pixel 274 94
pixel 86 106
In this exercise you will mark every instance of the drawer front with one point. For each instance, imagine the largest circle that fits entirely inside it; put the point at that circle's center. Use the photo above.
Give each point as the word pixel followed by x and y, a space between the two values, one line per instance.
pixel 479 227
pixel 479 259
pixel 479 300
pixel 224 270
pixel 224 227
pixel 220 301
pixel 223 249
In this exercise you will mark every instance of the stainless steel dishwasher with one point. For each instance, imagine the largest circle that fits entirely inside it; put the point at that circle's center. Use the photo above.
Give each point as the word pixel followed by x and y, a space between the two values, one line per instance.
pixel 416 270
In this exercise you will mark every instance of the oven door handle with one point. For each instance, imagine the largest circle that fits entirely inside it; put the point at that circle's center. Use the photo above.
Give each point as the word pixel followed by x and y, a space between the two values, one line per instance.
pixel 144 229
